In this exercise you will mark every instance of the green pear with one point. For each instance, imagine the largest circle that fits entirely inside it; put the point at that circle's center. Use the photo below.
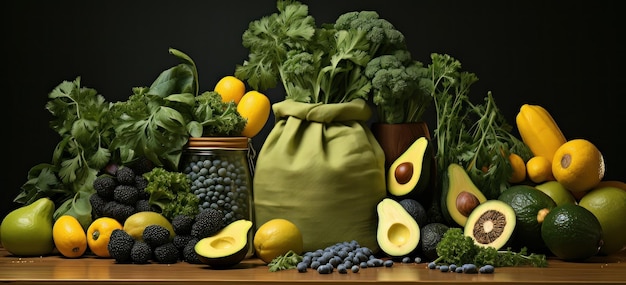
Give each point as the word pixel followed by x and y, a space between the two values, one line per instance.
pixel 27 231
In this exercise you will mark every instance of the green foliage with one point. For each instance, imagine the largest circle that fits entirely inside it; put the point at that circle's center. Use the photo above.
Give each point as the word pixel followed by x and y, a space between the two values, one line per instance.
pixel 171 192
pixel 155 122
pixel 456 248
pixel 288 260
pixel 326 63
pixel 472 135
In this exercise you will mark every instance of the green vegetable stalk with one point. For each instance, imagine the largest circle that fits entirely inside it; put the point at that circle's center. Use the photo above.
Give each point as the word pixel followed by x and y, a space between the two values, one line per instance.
pixel 472 135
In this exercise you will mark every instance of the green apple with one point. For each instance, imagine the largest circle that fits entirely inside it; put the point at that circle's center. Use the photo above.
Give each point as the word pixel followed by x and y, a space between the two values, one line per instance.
pixel 557 192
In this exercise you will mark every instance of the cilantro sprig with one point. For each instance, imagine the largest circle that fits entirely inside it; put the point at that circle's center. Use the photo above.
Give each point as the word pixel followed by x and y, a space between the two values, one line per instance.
pixel 288 260
pixel 456 248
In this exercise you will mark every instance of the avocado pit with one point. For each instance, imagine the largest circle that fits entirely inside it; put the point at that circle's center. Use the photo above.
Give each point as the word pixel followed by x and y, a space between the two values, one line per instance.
pixel 404 172
pixel 466 202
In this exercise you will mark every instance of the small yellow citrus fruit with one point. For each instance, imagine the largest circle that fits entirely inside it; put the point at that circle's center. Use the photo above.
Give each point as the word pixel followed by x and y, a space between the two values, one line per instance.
pixel 519 168
pixel 69 236
pixel 277 237
pixel 99 234
pixel 230 88
pixel 255 107
pixel 578 165
pixel 539 169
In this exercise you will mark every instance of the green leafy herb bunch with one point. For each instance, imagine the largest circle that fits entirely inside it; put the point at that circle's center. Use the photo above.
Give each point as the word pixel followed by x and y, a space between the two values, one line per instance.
pixel 360 55
pixel 154 123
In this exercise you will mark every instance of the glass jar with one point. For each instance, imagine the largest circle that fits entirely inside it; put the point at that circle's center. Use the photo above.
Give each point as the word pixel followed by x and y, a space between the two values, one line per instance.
pixel 220 170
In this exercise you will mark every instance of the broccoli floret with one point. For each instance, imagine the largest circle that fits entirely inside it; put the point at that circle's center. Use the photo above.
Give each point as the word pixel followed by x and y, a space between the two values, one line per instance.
pixel 208 222
pixel 125 175
pixel 141 253
pixel 396 87
pixel 189 252
pixel 182 224
pixel 384 38
pixel 104 186
pixel 156 235
pixel 144 206
pixel 126 194
pixel 120 245
pixel 118 211
pixel 97 204
pixel 166 253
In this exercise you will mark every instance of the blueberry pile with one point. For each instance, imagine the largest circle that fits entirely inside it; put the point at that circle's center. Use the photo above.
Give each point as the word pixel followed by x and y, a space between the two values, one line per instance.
pixel 222 182
pixel 465 268
pixel 342 256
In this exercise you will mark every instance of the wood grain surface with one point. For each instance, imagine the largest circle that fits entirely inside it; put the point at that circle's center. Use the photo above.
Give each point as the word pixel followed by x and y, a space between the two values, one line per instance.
pixel 58 270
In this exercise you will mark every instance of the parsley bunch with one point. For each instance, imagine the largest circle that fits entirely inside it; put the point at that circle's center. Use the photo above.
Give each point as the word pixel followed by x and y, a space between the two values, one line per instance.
pixel 456 248
pixel 472 135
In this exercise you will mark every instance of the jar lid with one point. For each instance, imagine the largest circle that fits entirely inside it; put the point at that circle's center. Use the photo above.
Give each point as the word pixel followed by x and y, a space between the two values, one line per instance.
pixel 218 142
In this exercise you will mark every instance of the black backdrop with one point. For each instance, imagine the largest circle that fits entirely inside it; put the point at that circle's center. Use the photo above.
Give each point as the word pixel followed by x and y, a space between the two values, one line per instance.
pixel 564 56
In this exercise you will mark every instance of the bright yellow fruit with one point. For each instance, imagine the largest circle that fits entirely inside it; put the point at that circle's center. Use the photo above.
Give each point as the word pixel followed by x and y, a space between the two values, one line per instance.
pixel 578 165
pixel 255 107
pixel 69 236
pixel 519 168
pixel 99 234
pixel 230 88
pixel 539 169
pixel 608 204
pixel 277 237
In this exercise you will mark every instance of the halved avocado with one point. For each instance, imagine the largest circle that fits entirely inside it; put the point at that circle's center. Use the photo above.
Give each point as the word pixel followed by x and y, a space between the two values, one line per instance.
pixel 492 224
pixel 531 206
pixel 409 174
pixel 226 248
pixel 397 234
pixel 459 195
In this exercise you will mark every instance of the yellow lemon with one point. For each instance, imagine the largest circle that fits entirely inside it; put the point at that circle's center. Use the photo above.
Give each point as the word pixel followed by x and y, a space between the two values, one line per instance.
pixel 519 168
pixel 277 237
pixel 69 236
pixel 230 88
pixel 255 107
pixel 99 234
pixel 608 204
pixel 539 169
pixel 578 165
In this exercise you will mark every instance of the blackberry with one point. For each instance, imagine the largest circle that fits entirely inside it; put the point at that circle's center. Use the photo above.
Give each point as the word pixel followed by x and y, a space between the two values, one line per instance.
pixel 156 235
pixel 104 186
pixel 141 253
pixel 120 245
pixel 125 175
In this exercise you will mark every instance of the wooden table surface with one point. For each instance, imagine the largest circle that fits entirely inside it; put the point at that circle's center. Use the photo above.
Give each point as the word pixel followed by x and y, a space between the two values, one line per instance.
pixel 58 270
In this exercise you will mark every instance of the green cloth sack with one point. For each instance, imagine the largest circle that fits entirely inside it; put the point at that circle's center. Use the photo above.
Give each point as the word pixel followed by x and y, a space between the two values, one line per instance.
pixel 321 168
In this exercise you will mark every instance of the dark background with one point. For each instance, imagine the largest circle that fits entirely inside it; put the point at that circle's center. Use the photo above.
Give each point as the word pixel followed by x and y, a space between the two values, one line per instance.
pixel 564 56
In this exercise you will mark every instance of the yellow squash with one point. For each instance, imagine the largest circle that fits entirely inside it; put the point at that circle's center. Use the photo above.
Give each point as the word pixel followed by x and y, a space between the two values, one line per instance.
pixel 539 131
